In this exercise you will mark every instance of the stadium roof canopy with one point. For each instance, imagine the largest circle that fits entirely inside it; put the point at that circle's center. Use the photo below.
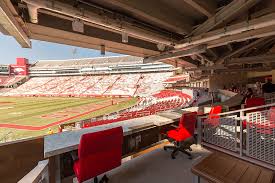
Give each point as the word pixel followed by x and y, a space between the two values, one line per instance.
pixel 113 60
pixel 211 35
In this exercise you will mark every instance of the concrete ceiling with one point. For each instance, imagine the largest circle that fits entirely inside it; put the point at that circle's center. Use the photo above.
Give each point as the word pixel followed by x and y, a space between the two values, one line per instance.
pixel 155 28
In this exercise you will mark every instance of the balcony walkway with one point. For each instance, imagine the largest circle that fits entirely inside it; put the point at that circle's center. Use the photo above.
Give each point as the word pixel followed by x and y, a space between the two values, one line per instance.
pixel 156 166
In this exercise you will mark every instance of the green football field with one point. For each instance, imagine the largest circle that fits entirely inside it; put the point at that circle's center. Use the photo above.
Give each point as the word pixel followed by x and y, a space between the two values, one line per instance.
pixel 24 117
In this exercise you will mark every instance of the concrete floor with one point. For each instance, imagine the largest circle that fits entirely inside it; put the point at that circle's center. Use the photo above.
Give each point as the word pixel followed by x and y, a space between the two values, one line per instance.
pixel 157 166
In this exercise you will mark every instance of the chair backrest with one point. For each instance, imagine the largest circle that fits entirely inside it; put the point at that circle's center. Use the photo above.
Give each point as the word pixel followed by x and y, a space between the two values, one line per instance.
pixel 188 121
pixel 254 102
pixel 99 152
pixel 214 111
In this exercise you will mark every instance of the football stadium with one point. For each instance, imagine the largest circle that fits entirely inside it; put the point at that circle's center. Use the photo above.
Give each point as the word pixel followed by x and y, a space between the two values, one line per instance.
pixel 131 91
pixel 41 98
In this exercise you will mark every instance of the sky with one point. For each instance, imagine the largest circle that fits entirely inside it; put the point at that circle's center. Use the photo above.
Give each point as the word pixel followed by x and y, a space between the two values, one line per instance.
pixel 10 50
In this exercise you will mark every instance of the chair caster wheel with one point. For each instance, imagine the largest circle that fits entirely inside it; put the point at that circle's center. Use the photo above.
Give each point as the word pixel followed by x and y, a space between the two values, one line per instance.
pixel 173 157
pixel 190 157
pixel 104 179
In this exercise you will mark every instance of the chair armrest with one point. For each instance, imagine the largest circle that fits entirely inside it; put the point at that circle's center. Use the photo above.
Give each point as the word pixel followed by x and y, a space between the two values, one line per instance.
pixel 74 155
pixel 174 126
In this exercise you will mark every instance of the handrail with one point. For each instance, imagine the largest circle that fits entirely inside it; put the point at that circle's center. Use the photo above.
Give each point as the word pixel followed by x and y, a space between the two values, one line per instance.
pixel 232 135
pixel 246 109
pixel 39 174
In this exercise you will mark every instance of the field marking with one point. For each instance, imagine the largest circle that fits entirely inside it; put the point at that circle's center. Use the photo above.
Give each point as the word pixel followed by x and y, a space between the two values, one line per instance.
pixel 64 113
pixel 1 108
pixel 15 113
pixel 6 103
pixel 36 128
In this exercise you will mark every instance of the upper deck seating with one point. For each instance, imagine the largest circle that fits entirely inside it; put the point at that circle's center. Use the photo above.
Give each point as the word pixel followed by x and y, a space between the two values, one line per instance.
pixel 107 85
pixel 102 85
pixel 10 80
pixel 152 83
pixel 126 85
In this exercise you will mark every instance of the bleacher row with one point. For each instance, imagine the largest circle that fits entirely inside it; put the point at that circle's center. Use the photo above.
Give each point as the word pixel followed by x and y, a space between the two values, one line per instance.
pixel 6 81
pixel 170 93
pixel 103 85
pixel 162 102
pixel 175 79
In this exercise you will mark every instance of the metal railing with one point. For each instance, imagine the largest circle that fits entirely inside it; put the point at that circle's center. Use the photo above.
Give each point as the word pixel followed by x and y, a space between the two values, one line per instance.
pixel 247 133
pixel 221 132
pixel 40 174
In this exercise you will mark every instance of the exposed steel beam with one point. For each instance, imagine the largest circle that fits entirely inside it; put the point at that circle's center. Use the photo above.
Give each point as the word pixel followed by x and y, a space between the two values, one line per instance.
pixel 11 25
pixel 239 29
pixel 252 60
pixel 182 53
pixel 204 8
pixel 226 14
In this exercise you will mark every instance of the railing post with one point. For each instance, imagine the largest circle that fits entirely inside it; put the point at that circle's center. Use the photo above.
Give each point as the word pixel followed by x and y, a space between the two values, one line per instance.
pixel 45 175
pixel 241 132
pixel 199 130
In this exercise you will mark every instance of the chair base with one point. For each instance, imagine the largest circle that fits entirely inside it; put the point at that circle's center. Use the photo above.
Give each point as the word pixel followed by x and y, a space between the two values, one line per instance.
pixel 180 146
pixel 104 179
pixel 177 149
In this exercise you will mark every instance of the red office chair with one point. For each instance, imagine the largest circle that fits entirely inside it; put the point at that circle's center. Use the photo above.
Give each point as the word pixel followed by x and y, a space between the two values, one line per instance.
pixel 98 153
pixel 213 114
pixel 183 136
pixel 213 117
pixel 253 102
